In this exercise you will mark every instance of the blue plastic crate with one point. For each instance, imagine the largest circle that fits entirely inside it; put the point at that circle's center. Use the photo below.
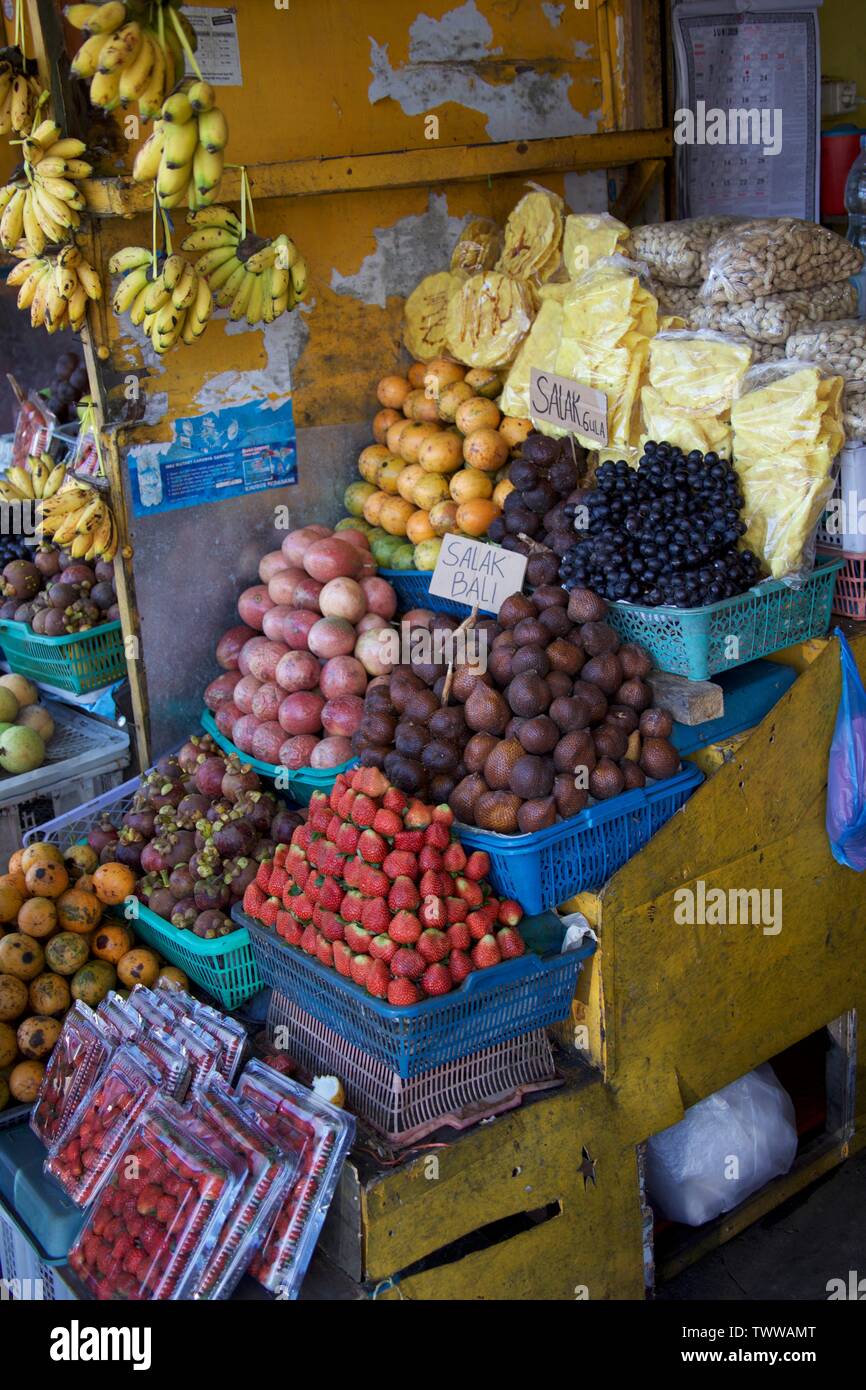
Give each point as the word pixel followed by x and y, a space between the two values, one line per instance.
pixel 579 854
pixel 697 642
pixel 300 784
pixel 491 1006
pixel 412 588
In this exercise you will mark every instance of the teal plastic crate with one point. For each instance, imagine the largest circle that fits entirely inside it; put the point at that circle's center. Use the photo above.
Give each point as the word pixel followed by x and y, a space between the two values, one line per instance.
pixel 300 785
pixel 412 588
pixel 700 642
pixel 78 662
pixel 225 966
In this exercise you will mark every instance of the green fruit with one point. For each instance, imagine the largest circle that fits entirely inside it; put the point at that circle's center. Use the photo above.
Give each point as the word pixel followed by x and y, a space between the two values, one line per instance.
pixel 21 749
pixel 383 550
pixel 404 557
pixel 8 706
pixel 426 554
pixel 355 496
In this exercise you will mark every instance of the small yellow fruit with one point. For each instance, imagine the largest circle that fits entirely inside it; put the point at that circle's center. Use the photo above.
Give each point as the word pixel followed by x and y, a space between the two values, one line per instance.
pixel 501 491
pixel 373 506
pixel 370 460
pixel 410 475
pixel 443 517
pixel 418 528
pixel 386 478
pixel 394 515
pixel 429 490
pixel 469 484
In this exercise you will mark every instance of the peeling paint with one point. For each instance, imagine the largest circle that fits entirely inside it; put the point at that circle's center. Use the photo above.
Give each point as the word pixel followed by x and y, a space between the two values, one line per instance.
pixel 553 14
pixel 284 340
pixel 413 246
pixel 442 67
pixel 582 49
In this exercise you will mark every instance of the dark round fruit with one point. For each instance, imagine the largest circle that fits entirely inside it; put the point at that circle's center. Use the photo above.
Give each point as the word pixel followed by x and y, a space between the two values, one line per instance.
pixel 465 795
pixel 531 777
pixel 569 798
pixel 656 723
pixel 584 606
pixel 536 815
pixel 499 764
pixel 605 672
pixel 514 609
pixel 406 774
pixel 410 738
pixel 556 622
pixel 606 780
pixel 565 655
pixel 570 712
pixel 539 735
pixel 477 750
pixel 575 750
pixel 497 811
pixel 530 658
pixel 528 695
pixel 542 569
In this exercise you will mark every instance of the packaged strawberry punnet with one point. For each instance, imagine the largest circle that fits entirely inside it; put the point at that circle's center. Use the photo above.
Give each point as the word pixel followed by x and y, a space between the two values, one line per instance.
pixel 119 1021
pixel 319 1136
pixel 269 1178
pixel 201 1050
pixel 156 1220
pixel 79 1055
pixel 170 1060
pixel 231 1036
pixel 35 428
pixel 81 1158
pixel 150 1009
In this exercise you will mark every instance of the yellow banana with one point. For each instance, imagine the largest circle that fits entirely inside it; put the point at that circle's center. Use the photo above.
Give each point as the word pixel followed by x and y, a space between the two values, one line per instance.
pixel 261 260
pixel 20 478
pixel 40 472
pixel 136 75
pixel 172 271
pixel 171 183
pixel 69 256
pixel 201 96
pixel 20 103
pixel 180 145
pixel 28 288
pixel 90 280
pixel 65 280
pixel 106 18
pixel 207 171
pixel 242 298
pixel 213 131
pixel 33 233
pixel 212 260
pixel 68 148
pixel 121 48
pixel 12 222
pixel 227 292
pixel 61 189
pixel 78 15
pixel 46 134
pixel 77 309
pixel 157 296
pixel 254 308
pixel 78 168
pixel 55 478
pixel 19 273
pixel 186 288
pixel 177 109
pixel 129 258
pixel 298 275
pixel 40 302
pixel 137 311
pixel 129 289
pixel 208 238
pixel 85 64
pixel 105 89
pixel 151 99
pixel 90 516
pixel 215 216
pixel 223 273
pixel 147 161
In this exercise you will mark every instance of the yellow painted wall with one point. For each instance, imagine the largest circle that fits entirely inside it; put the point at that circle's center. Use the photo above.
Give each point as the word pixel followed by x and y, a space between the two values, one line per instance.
pixel 843 48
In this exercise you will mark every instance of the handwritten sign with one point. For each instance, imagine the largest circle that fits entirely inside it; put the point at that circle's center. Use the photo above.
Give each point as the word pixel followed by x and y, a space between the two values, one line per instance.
pixel 473 572
pixel 556 400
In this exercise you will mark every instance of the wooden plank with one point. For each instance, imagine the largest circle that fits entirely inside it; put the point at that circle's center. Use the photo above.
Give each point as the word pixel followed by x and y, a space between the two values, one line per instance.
pixel 688 702
pixel 642 179
pixel 404 168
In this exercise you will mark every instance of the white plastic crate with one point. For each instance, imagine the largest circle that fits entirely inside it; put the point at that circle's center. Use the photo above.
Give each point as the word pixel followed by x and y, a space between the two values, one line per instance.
pixel 82 744
pixel 402 1109
pixel 26 1276
pixel 848 502
pixel 22 820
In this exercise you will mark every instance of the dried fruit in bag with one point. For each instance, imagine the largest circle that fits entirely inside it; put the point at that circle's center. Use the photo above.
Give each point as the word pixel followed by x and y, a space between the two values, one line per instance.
pixel 425 314
pixel 533 237
pixel 589 237
pixel 692 381
pixel 478 246
pixel 488 318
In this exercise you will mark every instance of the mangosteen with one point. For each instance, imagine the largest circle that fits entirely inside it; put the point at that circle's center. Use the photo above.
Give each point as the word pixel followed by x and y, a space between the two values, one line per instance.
pixel 184 913
pixel 162 902
pixel 210 893
pixel 212 923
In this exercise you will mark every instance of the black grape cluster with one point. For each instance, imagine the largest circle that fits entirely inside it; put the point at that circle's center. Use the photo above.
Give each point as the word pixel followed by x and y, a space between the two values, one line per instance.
pixel 663 533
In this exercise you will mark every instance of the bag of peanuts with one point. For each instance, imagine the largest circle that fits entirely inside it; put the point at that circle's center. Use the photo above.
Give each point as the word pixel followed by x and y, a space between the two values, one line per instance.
pixel 787 434
pixel 677 252
pixel 769 254
pixel 692 382
pixel 679 301
pixel 773 318
pixel 838 346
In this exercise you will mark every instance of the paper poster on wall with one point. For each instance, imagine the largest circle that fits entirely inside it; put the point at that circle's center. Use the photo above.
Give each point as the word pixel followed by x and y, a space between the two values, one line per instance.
pixel 223 453
pixel 217 50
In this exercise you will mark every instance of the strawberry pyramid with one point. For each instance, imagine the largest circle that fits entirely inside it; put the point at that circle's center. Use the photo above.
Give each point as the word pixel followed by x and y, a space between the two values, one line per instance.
pixel 375 885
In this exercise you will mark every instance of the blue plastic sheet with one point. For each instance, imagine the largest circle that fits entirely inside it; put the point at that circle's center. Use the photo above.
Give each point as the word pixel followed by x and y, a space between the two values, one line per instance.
pixel 846 774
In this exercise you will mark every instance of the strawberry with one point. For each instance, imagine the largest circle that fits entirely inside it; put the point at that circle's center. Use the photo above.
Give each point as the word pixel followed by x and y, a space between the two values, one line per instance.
pixel 417 816
pixel 166 1210
pixel 263 874
pixel 459 936
pixel 330 926
pixel 148 1198
pixel 433 945
pixel 342 958
pixel 469 891
pixel 443 813
pixel 331 861
pixel 352 872
pixel 320 816
pixel 477 865
pixel 431 858
pixel 486 952
pixel 395 800
pixel 372 848
pixel 403 894
pixel 325 951
pixel 301 908
pixel 372 882
pixel 408 963
pixel 309 940
pixel 358 968
pixel 293 934
pixel 433 912
pixel 405 928
pixel 454 858
pixel 399 863
pixel 357 938
pixel 459 966
pixel 268 911
pixel 333 826
pixel 280 856
pixel 363 811
pixel 253 899
pixel 284 919
pixel 377 979
pixel 411 841
pixel 330 894
pixel 456 909
pixel 375 914
pixel 383 948
pixel 510 913
pixel 304 834
pixel 278 882
pixel 370 781
pixel 435 882
pixel 299 872
pixel 403 992
pixel 346 838
pixel 437 979
pixel 437 835
pixel 480 922
pixel 510 943
pixel 345 804
pixel 352 906
pixel 387 823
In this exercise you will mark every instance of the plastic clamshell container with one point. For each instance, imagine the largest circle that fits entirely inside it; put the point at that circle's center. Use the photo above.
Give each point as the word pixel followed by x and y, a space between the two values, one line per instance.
pixel 77 662
pixel 81 1158
pixel 320 1136
pixel 300 785
pixel 158 1216
pixel 43 1208
pixel 77 1059
pixel 229 1035
pixel 580 854
pixel 490 1006
pixel 269 1178
pixel 412 588
pixel 697 642
pixel 170 1061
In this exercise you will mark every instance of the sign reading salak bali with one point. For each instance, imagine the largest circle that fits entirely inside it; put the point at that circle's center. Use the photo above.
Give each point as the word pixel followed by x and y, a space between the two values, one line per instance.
pixel 477 574
pixel 559 401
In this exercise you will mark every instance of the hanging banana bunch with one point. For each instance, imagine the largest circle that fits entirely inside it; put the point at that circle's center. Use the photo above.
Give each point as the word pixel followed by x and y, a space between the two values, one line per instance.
pixel 43 206
pixel 55 288
pixel 134 52
pixel 185 152
pixel 20 88
pixel 79 518
pixel 172 303
pixel 255 279
pixel 42 477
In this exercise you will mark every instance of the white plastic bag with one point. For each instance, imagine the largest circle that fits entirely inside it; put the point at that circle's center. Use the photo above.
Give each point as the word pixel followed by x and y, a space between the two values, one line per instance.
pixel 723 1150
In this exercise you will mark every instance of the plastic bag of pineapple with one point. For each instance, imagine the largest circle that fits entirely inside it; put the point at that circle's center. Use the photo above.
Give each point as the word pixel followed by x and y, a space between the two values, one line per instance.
pixel 608 319
pixel 693 380
pixel 478 246
pixel 590 237
pixel 538 350
pixel 787 426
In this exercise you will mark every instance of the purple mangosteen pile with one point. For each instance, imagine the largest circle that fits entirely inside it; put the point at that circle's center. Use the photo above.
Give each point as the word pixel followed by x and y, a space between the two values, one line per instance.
pixel 196 831
pixel 57 595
